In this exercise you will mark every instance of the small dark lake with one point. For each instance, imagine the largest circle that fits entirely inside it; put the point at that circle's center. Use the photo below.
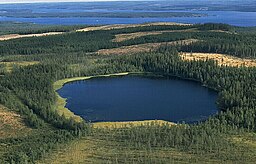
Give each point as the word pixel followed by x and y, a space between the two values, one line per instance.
pixel 134 98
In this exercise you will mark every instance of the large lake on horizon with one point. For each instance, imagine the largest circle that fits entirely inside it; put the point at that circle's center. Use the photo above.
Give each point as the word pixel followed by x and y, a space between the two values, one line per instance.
pixel 135 98
pixel 238 13
pixel 229 17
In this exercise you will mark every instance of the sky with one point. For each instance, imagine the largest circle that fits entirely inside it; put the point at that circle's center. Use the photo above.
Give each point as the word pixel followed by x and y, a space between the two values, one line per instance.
pixel 34 1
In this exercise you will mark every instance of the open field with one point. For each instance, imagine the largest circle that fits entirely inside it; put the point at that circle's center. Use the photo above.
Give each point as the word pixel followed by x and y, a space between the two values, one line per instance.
pixel 128 124
pixel 98 150
pixel 101 149
pixel 11 124
pixel 9 65
pixel 16 36
pixel 147 47
pixel 121 26
pixel 124 37
pixel 222 59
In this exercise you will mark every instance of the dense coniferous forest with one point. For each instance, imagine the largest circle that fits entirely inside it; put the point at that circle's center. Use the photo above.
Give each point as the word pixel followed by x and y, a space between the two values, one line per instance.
pixel 28 90
pixel 30 28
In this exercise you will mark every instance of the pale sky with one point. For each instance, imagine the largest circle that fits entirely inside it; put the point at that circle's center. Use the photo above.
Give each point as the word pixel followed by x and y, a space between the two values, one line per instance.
pixel 34 1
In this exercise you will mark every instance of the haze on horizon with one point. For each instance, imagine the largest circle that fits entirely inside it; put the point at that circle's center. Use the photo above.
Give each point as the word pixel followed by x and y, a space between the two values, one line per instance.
pixel 41 1
pixel 56 1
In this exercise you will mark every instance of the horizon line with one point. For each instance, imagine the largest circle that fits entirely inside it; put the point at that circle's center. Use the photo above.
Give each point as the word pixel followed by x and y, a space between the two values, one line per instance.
pixel 72 1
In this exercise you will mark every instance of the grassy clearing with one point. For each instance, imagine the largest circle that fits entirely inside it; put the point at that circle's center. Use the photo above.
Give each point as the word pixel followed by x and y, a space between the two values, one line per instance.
pixel 97 150
pixel 248 139
pixel 121 26
pixel 11 124
pixel 100 148
pixel 140 47
pixel 222 59
pixel 9 65
pixel 128 124
pixel 16 36
pixel 129 36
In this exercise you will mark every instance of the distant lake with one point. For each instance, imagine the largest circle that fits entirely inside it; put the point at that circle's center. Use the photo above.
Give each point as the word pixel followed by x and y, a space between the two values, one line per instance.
pixel 230 17
pixel 61 13
pixel 134 98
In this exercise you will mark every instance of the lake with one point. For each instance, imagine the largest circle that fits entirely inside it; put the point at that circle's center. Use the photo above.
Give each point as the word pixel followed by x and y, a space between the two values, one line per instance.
pixel 229 17
pixel 239 13
pixel 135 98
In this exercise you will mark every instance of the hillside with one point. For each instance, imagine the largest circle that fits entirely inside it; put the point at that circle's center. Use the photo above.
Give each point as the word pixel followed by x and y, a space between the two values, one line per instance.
pixel 38 128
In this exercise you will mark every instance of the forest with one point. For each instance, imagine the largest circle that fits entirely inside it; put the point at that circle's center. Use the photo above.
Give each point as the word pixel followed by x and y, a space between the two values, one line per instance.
pixel 28 91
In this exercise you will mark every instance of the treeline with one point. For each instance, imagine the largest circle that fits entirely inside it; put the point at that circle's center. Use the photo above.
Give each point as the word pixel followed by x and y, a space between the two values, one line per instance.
pixel 30 91
pixel 242 48
pixel 205 142
pixel 210 42
pixel 48 28
pixel 32 147
pixel 236 86
pixel 201 27
pixel 215 26
pixel 3 69
pixel 30 28
pixel 151 28
pixel 95 40
pixel 66 43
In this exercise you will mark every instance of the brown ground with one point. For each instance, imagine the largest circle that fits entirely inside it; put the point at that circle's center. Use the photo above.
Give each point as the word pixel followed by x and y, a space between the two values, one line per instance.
pixel 16 36
pixel 140 48
pixel 222 59
pixel 11 124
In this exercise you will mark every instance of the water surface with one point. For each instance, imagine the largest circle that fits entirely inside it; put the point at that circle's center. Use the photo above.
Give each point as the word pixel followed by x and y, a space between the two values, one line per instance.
pixel 133 98
pixel 236 18
pixel 52 13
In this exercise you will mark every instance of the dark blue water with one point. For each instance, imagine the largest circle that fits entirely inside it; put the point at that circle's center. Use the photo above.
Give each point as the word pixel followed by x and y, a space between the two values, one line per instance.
pixel 234 16
pixel 132 98
pixel 229 17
